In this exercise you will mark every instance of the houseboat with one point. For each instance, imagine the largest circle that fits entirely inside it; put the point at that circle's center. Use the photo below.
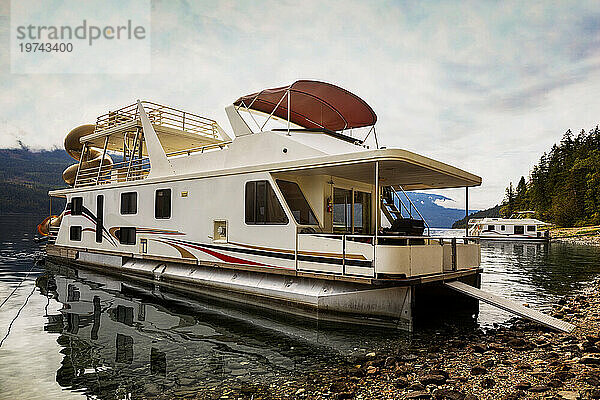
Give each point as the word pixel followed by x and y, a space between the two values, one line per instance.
pixel 518 227
pixel 294 210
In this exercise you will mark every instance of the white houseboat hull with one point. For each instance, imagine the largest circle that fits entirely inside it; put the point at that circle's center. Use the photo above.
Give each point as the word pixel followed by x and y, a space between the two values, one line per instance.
pixel 512 238
pixel 384 303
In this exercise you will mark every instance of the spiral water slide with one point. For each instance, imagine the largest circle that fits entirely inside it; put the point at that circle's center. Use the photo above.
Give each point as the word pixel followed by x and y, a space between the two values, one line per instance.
pixel 90 161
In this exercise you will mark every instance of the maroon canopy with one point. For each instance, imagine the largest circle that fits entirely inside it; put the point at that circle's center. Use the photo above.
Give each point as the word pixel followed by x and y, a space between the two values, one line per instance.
pixel 313 105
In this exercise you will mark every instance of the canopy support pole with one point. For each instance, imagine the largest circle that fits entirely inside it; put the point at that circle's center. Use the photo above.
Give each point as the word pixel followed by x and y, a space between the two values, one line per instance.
pixel 273 112
pixel 466 211
pixel 377 215
pixel 288 111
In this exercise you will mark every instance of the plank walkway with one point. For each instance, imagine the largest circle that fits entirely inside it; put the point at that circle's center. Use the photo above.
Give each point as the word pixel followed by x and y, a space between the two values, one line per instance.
pixel 511 306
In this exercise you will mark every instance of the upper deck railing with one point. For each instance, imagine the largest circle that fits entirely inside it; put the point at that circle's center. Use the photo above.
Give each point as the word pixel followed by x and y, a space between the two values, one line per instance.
pixel 159 115
pixel 127 125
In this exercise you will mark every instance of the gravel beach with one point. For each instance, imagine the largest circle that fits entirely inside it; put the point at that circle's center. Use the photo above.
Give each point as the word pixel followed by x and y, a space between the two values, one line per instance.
pixel 588 236
pixel 519 361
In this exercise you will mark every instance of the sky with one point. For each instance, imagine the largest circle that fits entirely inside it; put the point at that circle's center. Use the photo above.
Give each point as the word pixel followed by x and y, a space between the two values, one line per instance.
pixel 484 86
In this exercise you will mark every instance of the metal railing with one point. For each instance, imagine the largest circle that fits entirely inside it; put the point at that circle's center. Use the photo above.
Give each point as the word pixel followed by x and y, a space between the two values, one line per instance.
pixel 411 206
pixel 388 240
pixel 127 120
pixel 159 115
pixel 138 169
pixel 130 170
pixel 429 240
pixel 200 149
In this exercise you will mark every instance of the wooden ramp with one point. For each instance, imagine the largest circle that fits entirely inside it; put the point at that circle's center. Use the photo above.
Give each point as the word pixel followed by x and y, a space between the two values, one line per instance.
pixel 511 306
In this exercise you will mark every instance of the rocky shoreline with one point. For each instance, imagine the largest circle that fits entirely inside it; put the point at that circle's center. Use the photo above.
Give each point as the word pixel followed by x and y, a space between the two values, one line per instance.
pixel 520 361
pixel 588 236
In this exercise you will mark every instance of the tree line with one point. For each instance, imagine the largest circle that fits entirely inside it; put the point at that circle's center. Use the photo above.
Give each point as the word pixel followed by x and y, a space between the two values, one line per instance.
pixel 564 186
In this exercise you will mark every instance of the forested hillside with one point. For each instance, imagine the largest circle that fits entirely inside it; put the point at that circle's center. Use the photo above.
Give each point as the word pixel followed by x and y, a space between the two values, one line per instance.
pixel 27 176
pixel 564 186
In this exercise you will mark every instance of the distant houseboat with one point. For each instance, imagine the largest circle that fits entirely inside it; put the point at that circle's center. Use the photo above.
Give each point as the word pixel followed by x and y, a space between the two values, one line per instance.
pixel 517 227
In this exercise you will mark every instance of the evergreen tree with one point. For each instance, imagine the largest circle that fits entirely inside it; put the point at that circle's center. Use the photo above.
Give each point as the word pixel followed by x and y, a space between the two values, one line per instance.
pixel 508 205
pixel 564 186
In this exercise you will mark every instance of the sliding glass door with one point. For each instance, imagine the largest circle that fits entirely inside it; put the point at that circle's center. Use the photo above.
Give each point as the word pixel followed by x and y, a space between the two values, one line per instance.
pixel 351 211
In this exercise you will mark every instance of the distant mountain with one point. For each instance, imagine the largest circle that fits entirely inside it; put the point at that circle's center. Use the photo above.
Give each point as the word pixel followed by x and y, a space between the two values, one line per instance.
pixel 493 212
pixel 27 176
pixel 436 215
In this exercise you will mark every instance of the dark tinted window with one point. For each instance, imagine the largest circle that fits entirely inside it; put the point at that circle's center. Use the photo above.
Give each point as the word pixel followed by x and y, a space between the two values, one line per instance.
pixel 76 205
pixel 297 202
pixel 129 203
pixel 162 204
pixel 262 205
pixel 530 228
pixel 502 227
pixel 75 233
pixel 99 217
pixel 491 227
pixel 519 229
pixel 126 235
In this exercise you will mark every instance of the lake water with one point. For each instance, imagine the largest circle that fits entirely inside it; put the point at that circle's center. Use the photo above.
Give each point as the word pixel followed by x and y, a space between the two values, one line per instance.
pixel 67 334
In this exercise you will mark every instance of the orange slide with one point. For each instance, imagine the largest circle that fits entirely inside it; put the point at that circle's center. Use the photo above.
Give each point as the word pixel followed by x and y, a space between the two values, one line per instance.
pixel 92 156
pixel 92 159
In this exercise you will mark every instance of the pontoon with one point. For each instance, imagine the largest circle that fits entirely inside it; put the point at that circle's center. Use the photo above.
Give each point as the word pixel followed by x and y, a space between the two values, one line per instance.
pixel 309 218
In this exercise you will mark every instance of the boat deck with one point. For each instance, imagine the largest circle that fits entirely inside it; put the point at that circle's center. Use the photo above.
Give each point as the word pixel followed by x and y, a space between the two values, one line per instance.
pixel 70 253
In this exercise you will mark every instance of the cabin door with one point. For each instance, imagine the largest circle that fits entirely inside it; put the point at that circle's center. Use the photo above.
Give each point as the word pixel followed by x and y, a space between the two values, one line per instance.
pixel 351 211
pixel 342 210
pixel 352 214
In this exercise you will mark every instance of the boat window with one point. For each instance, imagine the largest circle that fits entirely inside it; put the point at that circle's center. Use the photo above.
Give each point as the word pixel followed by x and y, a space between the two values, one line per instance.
pixel 162 204
pixel 76 205
pixel 530 228
pixel 297 202
pixel 502 227
pixel 75 233
pixel 519 229
pixel 262 205
pixel 129 203
pixel 362 212
pixel 126 235
pixel 342 210
pixel 491 227
pixel 99 217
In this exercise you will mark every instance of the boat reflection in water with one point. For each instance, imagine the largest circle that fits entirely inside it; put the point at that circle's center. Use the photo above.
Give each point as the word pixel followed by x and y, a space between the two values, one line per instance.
pixel 528 249
pixel 122 337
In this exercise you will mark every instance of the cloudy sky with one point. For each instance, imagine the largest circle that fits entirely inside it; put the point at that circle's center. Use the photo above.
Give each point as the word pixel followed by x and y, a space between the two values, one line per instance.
pixel 485 86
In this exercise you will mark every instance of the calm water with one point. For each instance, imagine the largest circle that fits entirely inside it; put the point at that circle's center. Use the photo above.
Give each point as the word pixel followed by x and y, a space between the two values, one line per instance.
pixel 67 334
